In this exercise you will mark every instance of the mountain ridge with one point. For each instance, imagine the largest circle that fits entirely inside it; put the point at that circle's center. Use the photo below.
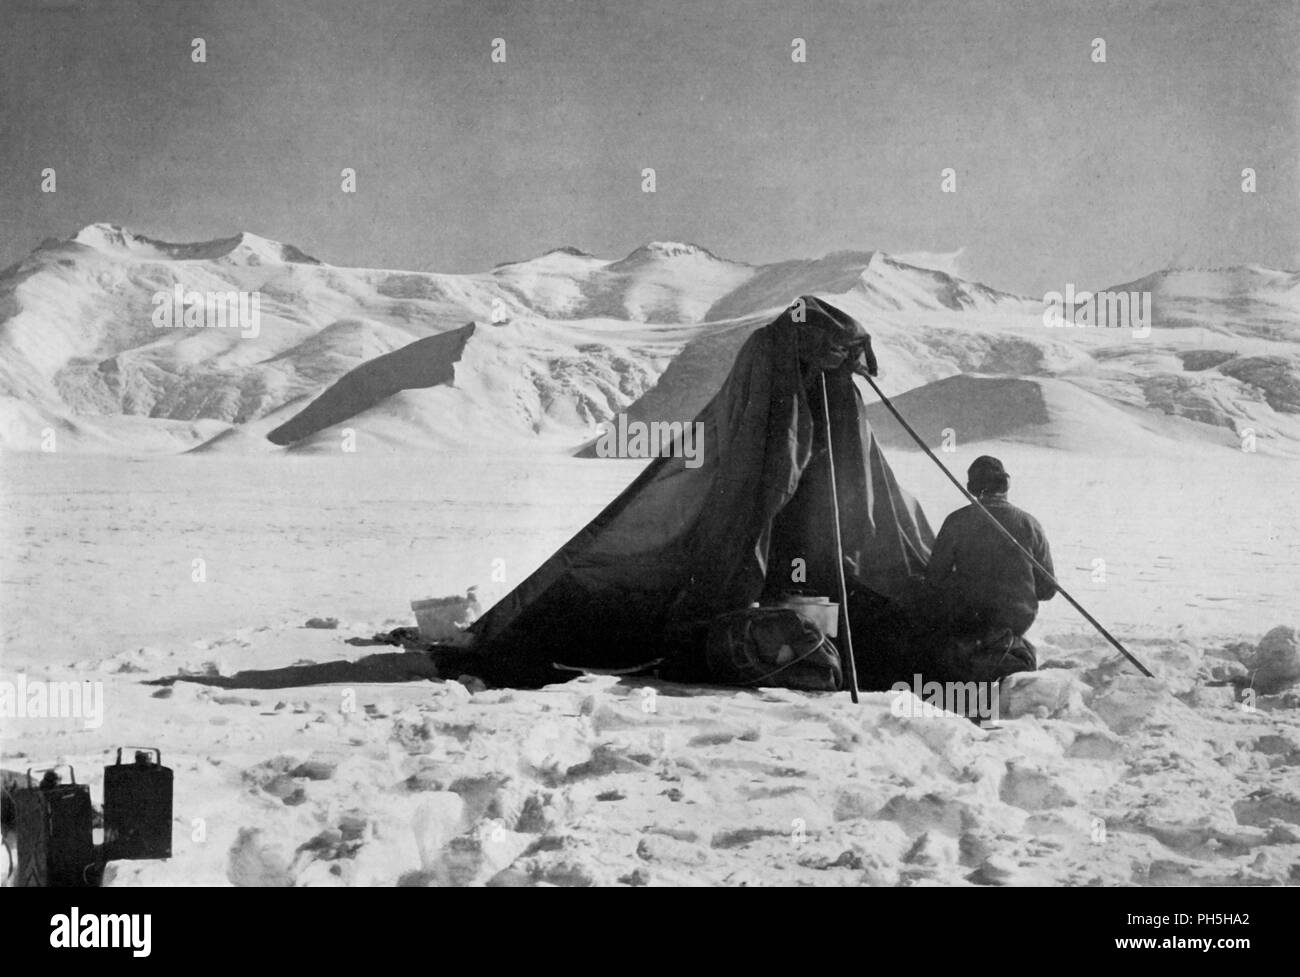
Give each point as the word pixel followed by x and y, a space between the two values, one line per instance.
pixel 563 341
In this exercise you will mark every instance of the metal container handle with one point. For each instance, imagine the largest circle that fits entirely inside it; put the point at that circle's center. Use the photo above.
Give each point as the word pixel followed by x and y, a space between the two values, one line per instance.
pixel 71 772
pixel 152 749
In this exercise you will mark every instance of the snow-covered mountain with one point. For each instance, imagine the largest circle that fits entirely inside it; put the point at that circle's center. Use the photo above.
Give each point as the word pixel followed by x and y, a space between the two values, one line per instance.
pixel 537 353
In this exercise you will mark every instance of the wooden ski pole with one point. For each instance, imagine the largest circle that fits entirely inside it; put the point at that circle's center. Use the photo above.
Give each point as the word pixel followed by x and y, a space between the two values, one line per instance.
pixel 1000 528
pixel 839 547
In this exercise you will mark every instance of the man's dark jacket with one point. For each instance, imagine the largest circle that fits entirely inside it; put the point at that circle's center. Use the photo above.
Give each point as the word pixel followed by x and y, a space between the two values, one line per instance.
pixel 981 580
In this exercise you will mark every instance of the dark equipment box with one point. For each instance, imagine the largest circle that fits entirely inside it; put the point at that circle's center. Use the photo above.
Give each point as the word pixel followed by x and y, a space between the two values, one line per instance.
pixel 138 807
pixel 56 845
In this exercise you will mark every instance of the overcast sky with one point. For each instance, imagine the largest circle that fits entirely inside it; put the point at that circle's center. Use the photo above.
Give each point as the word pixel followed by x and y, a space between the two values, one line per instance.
pixel 1067 170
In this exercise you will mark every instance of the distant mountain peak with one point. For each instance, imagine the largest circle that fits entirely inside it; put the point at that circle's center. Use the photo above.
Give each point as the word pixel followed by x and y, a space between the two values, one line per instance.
pixel 564 251
pixel 668 254
pixel 265 248
pixel 103 235
pixel 113 239
pixel 671 249
pixel 1219 283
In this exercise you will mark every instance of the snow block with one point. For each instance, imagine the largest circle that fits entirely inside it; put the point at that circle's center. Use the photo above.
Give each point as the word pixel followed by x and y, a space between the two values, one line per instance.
pixel 1049 694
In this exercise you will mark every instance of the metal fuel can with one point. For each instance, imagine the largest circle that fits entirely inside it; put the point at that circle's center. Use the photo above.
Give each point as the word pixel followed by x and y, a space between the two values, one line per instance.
pixel 55 840
pixel 138 807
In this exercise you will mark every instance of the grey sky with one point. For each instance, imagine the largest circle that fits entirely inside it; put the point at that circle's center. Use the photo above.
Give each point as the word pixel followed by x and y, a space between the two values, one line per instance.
pixel 1066 170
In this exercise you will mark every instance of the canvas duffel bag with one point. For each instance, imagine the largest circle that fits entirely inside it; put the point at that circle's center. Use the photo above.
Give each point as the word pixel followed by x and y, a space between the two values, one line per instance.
pixel 772 646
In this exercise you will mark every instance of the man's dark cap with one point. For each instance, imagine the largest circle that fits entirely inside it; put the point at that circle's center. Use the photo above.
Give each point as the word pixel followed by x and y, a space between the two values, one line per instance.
pixel 985 466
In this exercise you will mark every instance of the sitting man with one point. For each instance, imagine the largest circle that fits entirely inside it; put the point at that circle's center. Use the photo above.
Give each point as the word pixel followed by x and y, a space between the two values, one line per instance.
pixel 985 589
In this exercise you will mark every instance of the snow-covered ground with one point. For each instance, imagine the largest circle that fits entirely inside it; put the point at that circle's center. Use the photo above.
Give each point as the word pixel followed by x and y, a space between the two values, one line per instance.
pixel 1096 776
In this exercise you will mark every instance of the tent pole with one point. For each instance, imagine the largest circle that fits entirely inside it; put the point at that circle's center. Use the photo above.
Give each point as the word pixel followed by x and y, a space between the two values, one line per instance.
pixel 1000 528
pixel 839 546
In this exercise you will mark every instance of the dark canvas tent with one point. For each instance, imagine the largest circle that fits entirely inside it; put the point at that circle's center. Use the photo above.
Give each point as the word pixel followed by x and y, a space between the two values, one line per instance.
pixel 683 544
